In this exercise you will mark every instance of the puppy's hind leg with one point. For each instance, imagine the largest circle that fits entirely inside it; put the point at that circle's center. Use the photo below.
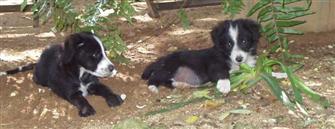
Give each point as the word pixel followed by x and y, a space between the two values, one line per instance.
pixel 160 78
pixel 111 98
pixel 85 109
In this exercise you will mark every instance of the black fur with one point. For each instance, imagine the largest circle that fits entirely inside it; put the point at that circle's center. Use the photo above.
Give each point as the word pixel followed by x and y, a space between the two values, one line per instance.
pixel 209 64
pixel 60 68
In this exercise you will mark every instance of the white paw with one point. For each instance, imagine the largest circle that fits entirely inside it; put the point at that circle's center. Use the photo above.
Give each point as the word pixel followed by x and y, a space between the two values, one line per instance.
pixel 123 96
pixel 153 88
pixel 223 86
pixel 3 73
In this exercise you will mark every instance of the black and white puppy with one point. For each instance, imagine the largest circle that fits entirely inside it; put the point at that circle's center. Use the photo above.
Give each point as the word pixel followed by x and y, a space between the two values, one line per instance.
pixel 71 70
pixel 235 42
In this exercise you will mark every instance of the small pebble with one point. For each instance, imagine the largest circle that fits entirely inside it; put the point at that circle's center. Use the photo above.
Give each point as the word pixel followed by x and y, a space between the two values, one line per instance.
pixel 14 93
pixel 35 111
pixel 170 49
pixel 270 121
pixel 330 46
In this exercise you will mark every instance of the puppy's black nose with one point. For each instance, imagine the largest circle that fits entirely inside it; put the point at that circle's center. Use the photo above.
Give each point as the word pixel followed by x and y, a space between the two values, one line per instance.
pixel 110 67
pixel 239 58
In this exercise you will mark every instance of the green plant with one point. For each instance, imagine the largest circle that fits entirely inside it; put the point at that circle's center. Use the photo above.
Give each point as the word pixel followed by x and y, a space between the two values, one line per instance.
pixel 184 18
pixel 276 17
pixel 98 18
pixel 232 7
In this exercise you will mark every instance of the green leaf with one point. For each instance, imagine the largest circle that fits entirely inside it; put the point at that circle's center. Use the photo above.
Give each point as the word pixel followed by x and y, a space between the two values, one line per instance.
pixel 23 5
pixel 265 18
pixel 224 115
pixel 191 119
pixel 268 27
pixel 235 111
pixel 241 111
pixel 273 38
pixel 293 80
pixel 290 31
pixel 265 11
pixel 289 23
pixel 288 9
pixel 232 7
pixel 202 94
pixel 184 18
pixel 270 33
pixel 292 15
pixel 295 56
pixel 257 6
pixel 274 48
pixel 312 94
pixel 285 43
pixel 274 86
pixel 286 1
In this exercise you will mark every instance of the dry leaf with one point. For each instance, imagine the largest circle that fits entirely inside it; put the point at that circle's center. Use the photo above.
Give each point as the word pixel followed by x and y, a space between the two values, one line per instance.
pixel 191 119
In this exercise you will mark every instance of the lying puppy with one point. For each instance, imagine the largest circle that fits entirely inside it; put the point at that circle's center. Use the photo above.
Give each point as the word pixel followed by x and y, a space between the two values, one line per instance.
pixel 235 42
pixel 71 69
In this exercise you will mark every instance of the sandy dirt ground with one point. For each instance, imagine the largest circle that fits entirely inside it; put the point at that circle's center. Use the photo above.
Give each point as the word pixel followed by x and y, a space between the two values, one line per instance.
pixel 25 105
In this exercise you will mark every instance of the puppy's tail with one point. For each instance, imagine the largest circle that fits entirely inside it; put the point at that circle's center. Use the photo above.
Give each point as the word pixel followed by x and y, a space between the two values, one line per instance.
pixel 18 69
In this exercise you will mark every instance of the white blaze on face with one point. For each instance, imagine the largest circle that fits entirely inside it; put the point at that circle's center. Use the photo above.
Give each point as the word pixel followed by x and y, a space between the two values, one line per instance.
pixel 236 51
pixel 102 69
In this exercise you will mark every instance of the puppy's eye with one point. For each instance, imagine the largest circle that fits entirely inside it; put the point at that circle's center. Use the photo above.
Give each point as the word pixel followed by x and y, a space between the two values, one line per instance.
pixel 96 55
pixel 229 44
pixel 244 43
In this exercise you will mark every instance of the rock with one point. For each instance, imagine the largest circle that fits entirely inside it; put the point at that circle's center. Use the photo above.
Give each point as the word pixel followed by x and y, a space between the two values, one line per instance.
pixel 14 93
pixel 270 121
pixel 171 49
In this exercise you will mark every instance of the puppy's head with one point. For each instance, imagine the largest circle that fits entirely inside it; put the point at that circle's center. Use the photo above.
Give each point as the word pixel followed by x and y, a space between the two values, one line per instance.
pixel 236 39
pixel 86 50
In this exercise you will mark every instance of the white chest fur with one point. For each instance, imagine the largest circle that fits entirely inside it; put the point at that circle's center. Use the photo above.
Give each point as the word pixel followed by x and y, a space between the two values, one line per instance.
pixel 83 88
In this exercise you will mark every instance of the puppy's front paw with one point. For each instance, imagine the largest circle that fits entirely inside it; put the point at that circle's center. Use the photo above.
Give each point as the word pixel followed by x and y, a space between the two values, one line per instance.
pixel 223 86
pixel 115 100
pixel 86 111
pixel 153 88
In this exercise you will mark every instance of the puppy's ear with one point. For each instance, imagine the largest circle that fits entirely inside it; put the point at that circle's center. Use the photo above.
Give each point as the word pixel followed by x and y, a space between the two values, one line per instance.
pixel 71 46
pixel 254 28
pixel 218 31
